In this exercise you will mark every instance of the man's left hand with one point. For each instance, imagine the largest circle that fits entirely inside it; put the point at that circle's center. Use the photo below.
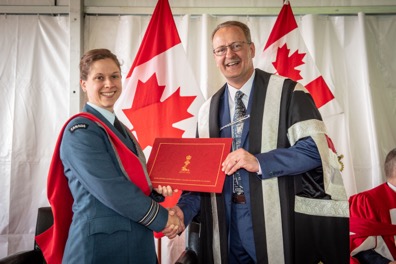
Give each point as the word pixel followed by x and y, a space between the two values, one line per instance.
pixel 240 159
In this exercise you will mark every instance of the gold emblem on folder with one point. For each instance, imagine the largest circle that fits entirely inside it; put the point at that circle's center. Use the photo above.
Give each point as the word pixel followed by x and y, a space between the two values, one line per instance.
pixel 184 169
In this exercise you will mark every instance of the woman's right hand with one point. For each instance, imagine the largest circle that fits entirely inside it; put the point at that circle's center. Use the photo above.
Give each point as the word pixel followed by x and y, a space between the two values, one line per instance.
pixel 174 225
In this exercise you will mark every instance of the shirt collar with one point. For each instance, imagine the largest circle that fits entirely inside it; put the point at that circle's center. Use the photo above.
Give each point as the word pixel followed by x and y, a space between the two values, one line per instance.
pixel 391 186
pixel 246 88
pixel 106 113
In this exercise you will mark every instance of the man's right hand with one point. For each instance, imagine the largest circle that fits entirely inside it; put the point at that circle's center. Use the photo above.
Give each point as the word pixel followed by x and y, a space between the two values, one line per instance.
pixel 173 225
pixel 179 213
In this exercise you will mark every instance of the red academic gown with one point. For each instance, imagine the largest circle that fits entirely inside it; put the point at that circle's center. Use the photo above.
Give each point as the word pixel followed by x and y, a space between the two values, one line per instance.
pixel 371 223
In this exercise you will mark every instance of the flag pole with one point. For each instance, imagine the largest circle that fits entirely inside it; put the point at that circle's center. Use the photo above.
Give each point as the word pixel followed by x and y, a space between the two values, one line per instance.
pixel 159 256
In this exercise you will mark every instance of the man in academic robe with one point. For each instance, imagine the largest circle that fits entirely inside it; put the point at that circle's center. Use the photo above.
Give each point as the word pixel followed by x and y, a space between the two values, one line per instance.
pixel 289 178
pixel 373 220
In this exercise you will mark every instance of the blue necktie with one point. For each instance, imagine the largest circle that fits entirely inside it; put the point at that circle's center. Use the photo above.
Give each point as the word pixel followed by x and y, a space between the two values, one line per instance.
pixel 237 128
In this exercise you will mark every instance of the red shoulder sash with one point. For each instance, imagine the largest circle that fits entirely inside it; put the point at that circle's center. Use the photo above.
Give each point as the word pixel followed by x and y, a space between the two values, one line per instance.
pixel 52 242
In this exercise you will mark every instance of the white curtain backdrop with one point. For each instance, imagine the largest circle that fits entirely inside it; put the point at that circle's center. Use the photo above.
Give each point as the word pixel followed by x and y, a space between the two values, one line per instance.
pixel 33 106
pixel 355 55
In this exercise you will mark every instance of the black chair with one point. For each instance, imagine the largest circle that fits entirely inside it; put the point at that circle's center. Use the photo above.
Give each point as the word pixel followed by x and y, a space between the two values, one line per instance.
pixel 190 254
pixel 35 256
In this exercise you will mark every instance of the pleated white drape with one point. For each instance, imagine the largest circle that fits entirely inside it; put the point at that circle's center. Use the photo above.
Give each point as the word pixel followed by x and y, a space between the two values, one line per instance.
pixel 33 106
pixel 355 55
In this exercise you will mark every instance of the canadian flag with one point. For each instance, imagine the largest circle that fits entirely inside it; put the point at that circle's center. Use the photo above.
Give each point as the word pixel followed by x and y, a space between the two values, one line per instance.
pixel 286 54
pixel 161 97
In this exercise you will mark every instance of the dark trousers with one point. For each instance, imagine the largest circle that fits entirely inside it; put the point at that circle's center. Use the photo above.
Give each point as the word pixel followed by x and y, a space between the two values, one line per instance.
pixel 241 247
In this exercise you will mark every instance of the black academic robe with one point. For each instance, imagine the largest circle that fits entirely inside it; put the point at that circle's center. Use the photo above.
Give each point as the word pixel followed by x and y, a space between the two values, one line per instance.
pixel 280 103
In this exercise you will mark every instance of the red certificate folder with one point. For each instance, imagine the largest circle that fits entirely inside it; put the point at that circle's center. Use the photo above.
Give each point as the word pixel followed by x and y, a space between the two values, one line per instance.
pixel 189 164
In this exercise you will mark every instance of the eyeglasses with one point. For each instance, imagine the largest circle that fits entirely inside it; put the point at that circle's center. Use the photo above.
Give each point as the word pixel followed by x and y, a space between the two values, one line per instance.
pixel 234 46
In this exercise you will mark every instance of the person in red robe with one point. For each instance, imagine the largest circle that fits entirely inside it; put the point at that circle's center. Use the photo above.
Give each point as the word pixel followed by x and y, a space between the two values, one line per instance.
pixel 373 220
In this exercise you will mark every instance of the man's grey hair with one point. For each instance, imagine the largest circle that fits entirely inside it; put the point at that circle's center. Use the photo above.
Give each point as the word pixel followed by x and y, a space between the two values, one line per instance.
pixel 233 23
pixel 390 164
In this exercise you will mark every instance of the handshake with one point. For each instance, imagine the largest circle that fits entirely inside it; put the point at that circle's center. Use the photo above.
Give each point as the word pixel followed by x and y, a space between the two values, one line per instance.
pixel 175 224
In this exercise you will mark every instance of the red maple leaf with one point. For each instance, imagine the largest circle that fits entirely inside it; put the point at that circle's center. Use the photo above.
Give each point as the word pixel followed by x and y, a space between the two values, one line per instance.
pixel 152 118
pixel 286 66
